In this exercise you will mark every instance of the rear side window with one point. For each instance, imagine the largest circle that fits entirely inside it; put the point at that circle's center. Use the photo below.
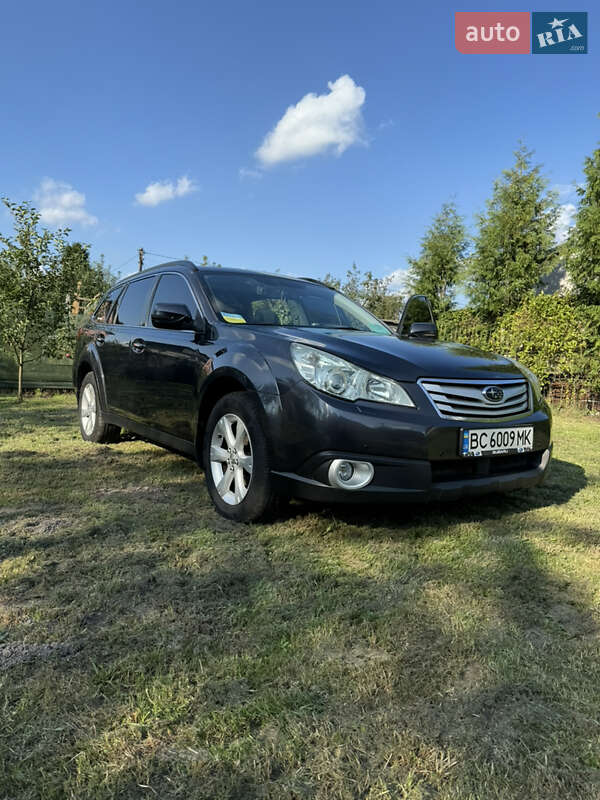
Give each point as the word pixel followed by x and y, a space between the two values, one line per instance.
pixel 104 310
pixel 174 289
pixel 134 302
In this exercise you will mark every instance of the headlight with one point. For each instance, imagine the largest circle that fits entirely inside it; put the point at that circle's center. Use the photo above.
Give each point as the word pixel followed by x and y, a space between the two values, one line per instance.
pixel 531 377
pixel 342 379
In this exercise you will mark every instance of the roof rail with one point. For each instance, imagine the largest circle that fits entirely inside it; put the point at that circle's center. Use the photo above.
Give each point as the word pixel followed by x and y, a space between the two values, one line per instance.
pixel 180 262
pixel 315 280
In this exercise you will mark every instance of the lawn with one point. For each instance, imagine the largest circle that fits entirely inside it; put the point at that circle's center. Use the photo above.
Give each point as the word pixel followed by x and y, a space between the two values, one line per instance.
pixel 149 648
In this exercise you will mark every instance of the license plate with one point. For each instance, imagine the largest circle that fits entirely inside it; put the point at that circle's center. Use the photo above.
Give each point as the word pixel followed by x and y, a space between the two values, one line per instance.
pixel 494 441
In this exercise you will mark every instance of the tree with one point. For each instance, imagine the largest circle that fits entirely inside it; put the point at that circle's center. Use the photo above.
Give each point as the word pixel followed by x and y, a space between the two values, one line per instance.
pixel 443 249
pixel 583 263
pixel 33 287
pixel 90 279
pixel 206 263
pixel 368 291
pixel 515 245
pixel 87 281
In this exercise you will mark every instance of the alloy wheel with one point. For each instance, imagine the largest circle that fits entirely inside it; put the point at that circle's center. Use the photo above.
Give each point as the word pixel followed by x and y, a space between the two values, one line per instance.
pixel 88 409
pixel 231 459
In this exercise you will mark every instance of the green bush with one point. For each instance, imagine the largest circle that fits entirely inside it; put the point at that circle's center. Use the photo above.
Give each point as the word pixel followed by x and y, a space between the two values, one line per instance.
pixel 544 334
pixel 553 336
pixel 464 326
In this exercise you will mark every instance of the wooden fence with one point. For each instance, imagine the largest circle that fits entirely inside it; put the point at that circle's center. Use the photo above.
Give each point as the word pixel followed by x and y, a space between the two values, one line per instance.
pixel 573 393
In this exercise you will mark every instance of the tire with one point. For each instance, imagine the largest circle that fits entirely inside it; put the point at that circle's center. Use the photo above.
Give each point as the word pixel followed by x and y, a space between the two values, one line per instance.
pixel 91 420
pixel 236 459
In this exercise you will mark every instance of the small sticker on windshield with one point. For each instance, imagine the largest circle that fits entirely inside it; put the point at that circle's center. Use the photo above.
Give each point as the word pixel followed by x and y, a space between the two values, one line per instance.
pixel 236 318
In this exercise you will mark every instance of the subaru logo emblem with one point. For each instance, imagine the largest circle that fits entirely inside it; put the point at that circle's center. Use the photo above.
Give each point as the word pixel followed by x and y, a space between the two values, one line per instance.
pixel 493 394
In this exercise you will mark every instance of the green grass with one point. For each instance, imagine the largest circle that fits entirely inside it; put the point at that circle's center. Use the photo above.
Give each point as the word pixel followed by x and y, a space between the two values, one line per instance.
pixel 149 648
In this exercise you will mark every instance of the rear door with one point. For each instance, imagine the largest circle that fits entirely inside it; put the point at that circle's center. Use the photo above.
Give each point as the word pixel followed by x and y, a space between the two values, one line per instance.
pixel 117 352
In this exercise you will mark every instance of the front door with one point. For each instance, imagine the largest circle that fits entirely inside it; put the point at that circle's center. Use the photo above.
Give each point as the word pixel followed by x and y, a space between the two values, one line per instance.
pixel 172 365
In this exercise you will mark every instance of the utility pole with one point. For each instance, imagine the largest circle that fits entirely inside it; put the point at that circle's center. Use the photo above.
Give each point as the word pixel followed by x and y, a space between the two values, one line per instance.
pixel 140 259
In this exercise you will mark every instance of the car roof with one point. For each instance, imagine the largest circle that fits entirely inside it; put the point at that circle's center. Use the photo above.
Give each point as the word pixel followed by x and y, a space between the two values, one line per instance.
pixel 188 267
pixel 175 266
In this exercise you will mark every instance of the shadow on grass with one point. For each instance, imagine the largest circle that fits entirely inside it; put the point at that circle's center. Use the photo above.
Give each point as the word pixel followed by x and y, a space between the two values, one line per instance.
pixel 246 670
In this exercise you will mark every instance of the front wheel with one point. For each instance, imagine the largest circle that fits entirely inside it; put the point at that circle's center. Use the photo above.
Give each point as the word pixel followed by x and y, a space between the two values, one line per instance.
pixel 236 459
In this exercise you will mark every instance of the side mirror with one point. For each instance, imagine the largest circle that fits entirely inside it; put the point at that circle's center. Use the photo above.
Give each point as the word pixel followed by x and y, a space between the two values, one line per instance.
pixel 417 320
pixel 174 316
pixel 423 330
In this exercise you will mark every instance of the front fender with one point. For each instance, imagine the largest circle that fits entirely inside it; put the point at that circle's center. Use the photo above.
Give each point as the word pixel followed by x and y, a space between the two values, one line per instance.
pixel 246 367
pixel 244 363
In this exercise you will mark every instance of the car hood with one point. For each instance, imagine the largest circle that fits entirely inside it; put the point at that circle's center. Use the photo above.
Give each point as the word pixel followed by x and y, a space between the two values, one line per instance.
pixel 403 359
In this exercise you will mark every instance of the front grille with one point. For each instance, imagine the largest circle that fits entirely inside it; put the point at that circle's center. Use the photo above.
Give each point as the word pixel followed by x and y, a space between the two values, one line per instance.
pixel 456 400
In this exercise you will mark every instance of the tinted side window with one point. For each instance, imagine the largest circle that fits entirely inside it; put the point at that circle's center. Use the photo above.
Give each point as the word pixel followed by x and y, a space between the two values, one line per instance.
pixel 134 302
pixel 103 312
pixel 174 289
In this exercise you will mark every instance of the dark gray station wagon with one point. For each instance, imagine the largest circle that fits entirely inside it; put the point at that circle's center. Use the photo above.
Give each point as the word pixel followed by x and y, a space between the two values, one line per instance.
pixel 284 387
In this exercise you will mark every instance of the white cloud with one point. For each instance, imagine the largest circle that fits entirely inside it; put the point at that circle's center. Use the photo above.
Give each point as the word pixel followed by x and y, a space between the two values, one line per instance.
pixel 161 191
pixel 60 204
pixel 565 221
pixel 397 280
pixel 250 173
pixel 317 124
pixel 566 191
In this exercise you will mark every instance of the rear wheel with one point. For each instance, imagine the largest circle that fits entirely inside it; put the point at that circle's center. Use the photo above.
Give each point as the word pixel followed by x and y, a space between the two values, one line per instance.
pixel 91 420
pixel 236 459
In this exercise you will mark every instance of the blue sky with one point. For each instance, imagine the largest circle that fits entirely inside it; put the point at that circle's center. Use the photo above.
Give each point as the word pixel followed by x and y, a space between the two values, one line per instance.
pixel 101 101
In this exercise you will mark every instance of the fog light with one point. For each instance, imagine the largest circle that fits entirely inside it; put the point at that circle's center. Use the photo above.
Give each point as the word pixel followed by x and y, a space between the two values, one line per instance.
pixel 347 474
pixel 345 471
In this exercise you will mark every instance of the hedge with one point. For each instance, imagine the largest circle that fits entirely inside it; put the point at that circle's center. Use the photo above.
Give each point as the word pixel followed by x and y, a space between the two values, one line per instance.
pixel 550 334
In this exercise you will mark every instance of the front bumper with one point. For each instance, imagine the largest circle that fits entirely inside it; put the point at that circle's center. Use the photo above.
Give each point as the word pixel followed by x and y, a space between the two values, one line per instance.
pixel 414 452
pixel 409 480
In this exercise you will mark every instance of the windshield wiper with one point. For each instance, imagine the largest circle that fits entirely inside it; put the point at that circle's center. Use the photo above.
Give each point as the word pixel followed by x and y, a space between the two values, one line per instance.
pixel 324 327
pixel 346 328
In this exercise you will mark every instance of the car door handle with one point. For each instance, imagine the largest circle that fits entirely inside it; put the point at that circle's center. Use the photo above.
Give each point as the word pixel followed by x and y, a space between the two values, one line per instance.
pixel 100 337
pixel 138 345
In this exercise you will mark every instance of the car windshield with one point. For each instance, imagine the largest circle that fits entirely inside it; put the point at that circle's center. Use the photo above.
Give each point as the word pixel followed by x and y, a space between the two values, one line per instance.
pixel 284 302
